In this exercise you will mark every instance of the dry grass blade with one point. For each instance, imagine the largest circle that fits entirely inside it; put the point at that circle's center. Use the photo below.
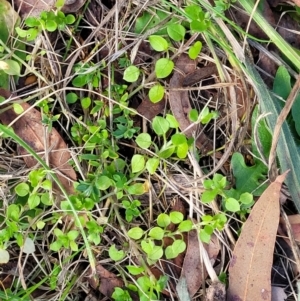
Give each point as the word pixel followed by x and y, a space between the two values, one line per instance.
pixel 250 268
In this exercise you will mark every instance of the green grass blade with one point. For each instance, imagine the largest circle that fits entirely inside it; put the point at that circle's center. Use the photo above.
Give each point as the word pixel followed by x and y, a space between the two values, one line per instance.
pixel 275 37
pixel 288 152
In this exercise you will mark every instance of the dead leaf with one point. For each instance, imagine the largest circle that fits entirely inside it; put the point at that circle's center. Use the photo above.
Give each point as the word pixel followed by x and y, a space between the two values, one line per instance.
pixel 180 103
pixel 107 281
pixel 251 263
pixel 199 74
pixel 29 127
pixel 149 109
pixel 192 269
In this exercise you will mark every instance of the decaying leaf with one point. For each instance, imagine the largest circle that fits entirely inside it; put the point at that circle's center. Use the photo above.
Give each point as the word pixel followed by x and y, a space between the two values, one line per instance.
pixel 251 263
pixel 180 103
pixel 29 127
pixel 149 109
pixel 107 281
pixel 192 269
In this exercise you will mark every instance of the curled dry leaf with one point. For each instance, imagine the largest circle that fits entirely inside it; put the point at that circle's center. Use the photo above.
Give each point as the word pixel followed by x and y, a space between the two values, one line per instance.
pixel 29 127
pixel 180 103
pixel 251 263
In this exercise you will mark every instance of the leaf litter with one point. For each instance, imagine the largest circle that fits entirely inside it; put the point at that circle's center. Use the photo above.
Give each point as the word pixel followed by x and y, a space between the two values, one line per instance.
pixel 252 258
pixel 50 146
pixel 179 101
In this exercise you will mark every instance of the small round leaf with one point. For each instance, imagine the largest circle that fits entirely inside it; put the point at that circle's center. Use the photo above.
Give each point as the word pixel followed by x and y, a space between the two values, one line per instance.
pixel 156 93
pixel 158 43
pixel 163 67
pixel 131 74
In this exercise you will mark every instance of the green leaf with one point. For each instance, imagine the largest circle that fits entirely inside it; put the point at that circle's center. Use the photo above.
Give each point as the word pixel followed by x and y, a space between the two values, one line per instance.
pixel 198 26
pixel 185 226
pixel 73 246
pixel 158 43
pixel 131 74
pixel 208 196
pixel 193 115
pixel 73 234
pixel 232 205
pixel 13 212
pixel 193 11
pixel 156 253
pixel 22 189
pixel 149 20
pixel 157 233
pixel 163 67
pixel 178 139
pixel 248 178
pixel 135 233
pixel 152 165
pixel 10 67
pixel 71 97
pixel 143 140
pixel 115 254
pixel 103 182
pixel 55 246
pixel 51 25
pixel 163 220
pixel 182 150
pixel 137 163
pixel 204 236
pixel 33 201
pixel 176 32
pixel 133 270
pixel 86 102
pixel 160 125
pixel 156 93
pixel 175 249
pixel 246 198
pixel 172 121
pixel 70 19
pixel 194 50
pixel 176 217
pixel 137 189
pixel 166 151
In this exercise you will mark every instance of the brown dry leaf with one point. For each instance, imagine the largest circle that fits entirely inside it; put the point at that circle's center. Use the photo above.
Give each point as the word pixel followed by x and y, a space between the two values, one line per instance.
pixel 192 269
pixel 107 281
pixel 251 263
pixel 180 102
pixel 29 127
pixel 149 109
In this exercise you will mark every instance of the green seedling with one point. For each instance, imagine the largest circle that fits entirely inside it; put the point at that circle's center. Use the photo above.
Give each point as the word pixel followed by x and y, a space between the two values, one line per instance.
pixel 47 21
pixel 149 239
pixel 232 200
pixel 64 240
